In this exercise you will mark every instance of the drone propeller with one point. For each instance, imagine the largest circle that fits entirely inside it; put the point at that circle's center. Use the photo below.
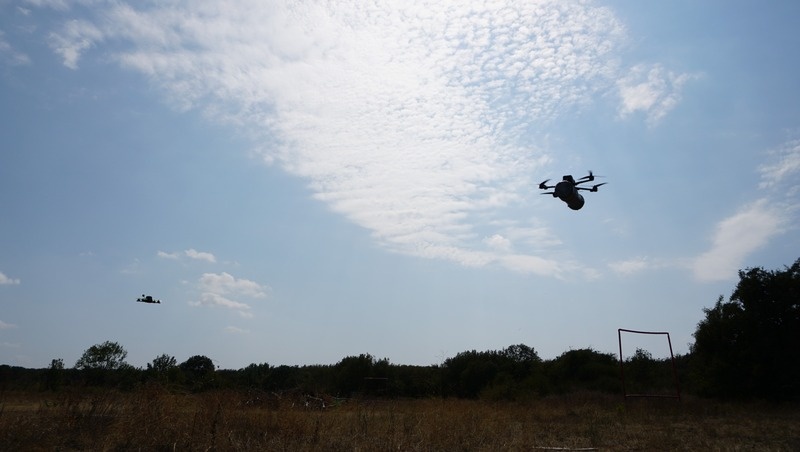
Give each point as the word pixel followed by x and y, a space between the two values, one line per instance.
pixel 543 185
pixel 594 187
pixel 588 178
pixel 548 193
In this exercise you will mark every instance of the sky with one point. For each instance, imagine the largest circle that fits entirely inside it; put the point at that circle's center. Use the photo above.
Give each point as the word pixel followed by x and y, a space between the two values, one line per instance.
pixel 299 182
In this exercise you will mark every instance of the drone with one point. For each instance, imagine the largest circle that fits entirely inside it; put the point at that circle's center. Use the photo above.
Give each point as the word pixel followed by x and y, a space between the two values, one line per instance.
pixel 567 189
pixel 147 299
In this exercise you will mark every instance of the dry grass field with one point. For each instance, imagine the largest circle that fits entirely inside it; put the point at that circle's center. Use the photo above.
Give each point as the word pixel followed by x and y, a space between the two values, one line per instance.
pixel 153 419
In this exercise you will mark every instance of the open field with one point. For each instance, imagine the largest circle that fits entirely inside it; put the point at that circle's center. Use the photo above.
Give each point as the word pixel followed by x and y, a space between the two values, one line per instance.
pixel 153 419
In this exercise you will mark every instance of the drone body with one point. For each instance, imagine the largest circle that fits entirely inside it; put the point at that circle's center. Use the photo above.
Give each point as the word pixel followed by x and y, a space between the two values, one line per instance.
pixel 147 299
pixel 568 190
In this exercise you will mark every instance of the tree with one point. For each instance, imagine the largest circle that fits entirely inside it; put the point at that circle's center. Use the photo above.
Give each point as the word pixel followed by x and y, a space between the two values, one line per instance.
pixel 162 364
pixel 750 345
pixel 106 356
pixel 55 374
pixel 199 370
pixel 584 369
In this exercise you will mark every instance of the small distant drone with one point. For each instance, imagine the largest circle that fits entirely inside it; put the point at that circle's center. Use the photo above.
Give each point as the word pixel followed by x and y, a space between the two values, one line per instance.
pixel 567 190
pixel 147 299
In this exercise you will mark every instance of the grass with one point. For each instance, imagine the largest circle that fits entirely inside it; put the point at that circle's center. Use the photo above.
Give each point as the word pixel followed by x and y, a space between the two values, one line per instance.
pixel 154 419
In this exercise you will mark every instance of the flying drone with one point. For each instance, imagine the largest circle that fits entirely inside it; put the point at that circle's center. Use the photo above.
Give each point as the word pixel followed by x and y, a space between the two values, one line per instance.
pixel 147 299
pixel 567 190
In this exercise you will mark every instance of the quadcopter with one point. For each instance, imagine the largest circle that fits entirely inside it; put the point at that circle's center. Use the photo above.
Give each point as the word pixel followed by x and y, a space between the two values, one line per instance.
pixel 147 299
pixel 567 190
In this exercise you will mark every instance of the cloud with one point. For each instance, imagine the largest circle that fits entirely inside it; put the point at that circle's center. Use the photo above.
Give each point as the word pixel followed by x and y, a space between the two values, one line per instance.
pixel 499 242
pixel 6 326
pixel 235 330
pixel 6 280
pixel 10 56
pixel 75 37
pixel 736 237
pixel 785 163
pixel 199 255
pixel 165 255
pixel 60 5
pixel 755 224
pixel 651 90
pixel 190 253
pixel 412 119
pixel 630 266
pixel 224 283
pixel 217 290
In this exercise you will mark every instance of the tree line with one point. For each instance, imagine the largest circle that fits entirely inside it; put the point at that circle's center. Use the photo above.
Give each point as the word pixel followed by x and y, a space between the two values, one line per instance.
pixel 746 347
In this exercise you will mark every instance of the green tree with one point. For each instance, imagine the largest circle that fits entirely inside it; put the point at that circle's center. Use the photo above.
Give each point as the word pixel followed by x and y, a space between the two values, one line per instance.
pixel 55 374
pixel 351 372
pixel 199 371
pixel 750 345
pixel 162 364
pixel 164 368
pixel 106 356
pixel 583 369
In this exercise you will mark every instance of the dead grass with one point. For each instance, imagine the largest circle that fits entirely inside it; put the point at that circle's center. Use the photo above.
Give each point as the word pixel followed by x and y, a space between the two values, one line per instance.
pixel 153 419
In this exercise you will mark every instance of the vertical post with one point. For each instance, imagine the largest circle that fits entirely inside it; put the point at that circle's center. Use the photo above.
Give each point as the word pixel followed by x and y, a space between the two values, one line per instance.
pixel 674 369
pixel 621 367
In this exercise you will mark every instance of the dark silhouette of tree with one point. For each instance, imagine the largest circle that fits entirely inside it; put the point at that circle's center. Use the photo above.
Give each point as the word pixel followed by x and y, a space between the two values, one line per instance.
pixel 164 368
pixel 104 364
pixel 505 374
pixel 255 376
pixel 162 364
pixel 55 374
pixel 106 356
pixel 351 372
pixel 583 369
pixel 749 346
pixel 199 372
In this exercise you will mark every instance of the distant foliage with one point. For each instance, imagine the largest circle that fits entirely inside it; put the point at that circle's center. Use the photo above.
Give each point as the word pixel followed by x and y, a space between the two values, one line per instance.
pixel 583 370
pixel 504 374
pixel 749 346
pixel 106 356
pixel 199 372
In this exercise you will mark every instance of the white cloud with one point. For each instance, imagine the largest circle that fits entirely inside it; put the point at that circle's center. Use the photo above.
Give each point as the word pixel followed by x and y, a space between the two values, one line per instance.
pixel 224 283
pixel 165 255
pixel 651 90
pixel 76 37
pixel 217 290
pixel 236 330
pixel 412 119
pixel 55 4
pixel 6 280
pixel 199 255
pixel 190 253
pixel 630 266
pixel 736 237
pixel 6 326
pixel 786 163
pixel 10 56
pixel 498 242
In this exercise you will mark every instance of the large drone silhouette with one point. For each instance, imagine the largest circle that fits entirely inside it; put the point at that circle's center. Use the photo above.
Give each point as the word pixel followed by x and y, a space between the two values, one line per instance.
pixel 567 190
pixel 147 299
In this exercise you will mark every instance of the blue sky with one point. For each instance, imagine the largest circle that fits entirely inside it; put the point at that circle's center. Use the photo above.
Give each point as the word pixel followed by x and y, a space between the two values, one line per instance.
pixel 301 182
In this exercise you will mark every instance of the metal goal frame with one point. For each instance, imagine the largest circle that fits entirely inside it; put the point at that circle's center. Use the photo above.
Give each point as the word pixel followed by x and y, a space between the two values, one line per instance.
pixel 625 394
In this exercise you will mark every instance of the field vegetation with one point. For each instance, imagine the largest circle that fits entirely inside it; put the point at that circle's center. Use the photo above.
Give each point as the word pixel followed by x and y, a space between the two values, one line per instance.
pixel 152 418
